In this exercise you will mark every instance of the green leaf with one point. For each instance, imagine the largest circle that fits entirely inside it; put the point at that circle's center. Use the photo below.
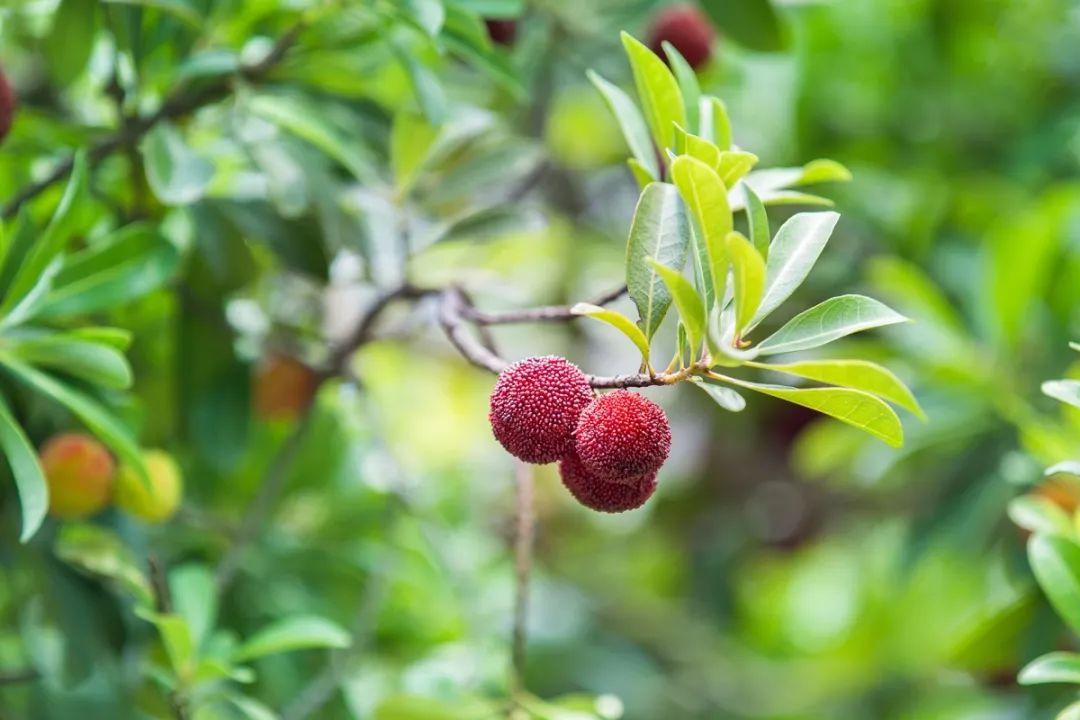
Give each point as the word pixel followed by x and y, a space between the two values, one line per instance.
pixel 415 707
pixel 688 82
pixel 758 221
pixel 733 165
pixel 854 407
pixel 1075 346
pixel 175 636
pixel 856 374
pixel 714 125
pixel 69 44
pixel 99 364
pixel 300 632
pixel 96 418
pixel 176 174
pixel 794 250
pixel 1039 515
pixel 1056 563
pixel 641 175
pixel 658 91
pixel 632 125
pixel 1055 667
pixel 660 230
pixel 29 479
pixel 706 198
pixel 754 24
pixel 1067 391
pixel 618 321
pixel 748 270
pixel 194 596
pixel 100 551
pixel 180 9
pixel 116 338
pixel 723 396
pixel 1068 467
pixel 429 92
pixel 828 321
pixel 1072 712
pixel 689 304
pixel 411 138
pixel 251 708
pixel 34 275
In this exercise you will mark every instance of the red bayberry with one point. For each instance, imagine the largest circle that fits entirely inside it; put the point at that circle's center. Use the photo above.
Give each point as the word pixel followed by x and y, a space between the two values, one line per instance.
pixel 687 29
pixel 535 407
pixel 503 32
pixel 610 497
pixel 8 103
pixel 622 435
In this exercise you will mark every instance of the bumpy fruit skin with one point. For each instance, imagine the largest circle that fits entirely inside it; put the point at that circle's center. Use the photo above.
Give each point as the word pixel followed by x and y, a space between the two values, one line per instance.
pixel 535 407
pixel 622 435
pixel 687 29
pixel 284 388
pixel 503 32
pixel 8 103
pixel 80 474
pixel 609 497
pixel 158 502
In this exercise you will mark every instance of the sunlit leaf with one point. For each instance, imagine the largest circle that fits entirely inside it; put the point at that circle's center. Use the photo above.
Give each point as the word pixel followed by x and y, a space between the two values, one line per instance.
pixel 1056 667
pixel 706 198
pixel 829 321
pixel 99 364
pixel 689 304
pixel 631 123
pixel 293 633
pixel 618 321
pixel 793 252
pixel 1037 514
pixel 748 271
pixel 660 230
pixel 688 83
pixel 658 91
pixel 757 220
pixel 714 124
pixel 1069 467
pixel 733 166
pixel 411 138
pixel 29 479
pixel 1055 561
pixel 856 374
pixel 723 396
pixel 1067 391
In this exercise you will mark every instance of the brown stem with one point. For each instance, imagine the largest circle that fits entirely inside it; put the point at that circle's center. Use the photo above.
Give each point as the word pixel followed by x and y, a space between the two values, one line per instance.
pixel 180 103
pixel 163 602
pixel 18 677
pixel 524 534
pixel 551 313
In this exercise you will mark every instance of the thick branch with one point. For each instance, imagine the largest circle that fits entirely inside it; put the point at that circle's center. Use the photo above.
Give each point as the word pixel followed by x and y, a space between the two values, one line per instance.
pixel 182 102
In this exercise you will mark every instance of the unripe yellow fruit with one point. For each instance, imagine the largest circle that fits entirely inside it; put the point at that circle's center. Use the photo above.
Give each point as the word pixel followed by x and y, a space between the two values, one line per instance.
pixel 154 501
pixel 79 472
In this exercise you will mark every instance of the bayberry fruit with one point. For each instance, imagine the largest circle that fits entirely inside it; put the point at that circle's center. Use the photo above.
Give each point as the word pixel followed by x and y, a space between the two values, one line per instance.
pixel 535 407
pixel 603 496
pixel 503 32
pixel 79 472
pixel 687 29
pixel 8 103
pixel 622 435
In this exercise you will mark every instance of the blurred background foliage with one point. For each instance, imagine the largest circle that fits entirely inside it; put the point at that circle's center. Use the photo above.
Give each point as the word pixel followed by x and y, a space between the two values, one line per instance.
pixel 787 569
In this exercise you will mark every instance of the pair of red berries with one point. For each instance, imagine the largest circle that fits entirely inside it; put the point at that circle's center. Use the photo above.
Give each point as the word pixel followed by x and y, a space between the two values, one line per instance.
pixel 609 448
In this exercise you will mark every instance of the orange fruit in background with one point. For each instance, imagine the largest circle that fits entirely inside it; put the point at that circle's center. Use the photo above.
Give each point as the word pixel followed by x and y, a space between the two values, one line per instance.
pixel 284 388
pixel 154 501
pixel 79 472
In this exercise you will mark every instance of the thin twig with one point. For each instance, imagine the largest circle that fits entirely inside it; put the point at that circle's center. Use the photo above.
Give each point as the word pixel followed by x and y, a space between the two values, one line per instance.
pixel 551 313
pixel 163 602
pixel 524 534
pixel 182 102
pixel 18 677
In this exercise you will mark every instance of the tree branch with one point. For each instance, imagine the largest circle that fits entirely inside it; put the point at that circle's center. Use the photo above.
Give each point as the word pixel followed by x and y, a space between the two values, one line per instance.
pixel 551 313
pixel 524 535
pixel 181 102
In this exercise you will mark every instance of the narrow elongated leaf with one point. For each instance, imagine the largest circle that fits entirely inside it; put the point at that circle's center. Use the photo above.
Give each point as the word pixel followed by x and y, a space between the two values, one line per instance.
pixel 723 396
pixel 42 255
pixel 180 9
pixel 29 479
pixel 97 363
pixel 1071 712
pixel 733 165
pixel 703 150
pixel 1039 515
pixel 1069 467
pixel 294 633
pixel 658 91
pixel 618 321
pixel 815 171
pixel 706 198
pixel 748 270
pixel 1056 563
pixel 99 420
pixel 175 172
pixel 714 124
pixel 1067 391
pixel 854 407
pixel 688 83
pixel 857 374
pixel 630 122
pixel 758 220
pixel 661 231
pixel 1075 346
pixel 70 42
pixel 411 139
pixel 100 551
pixel 689 304
pixel 794 250
pixel 1056 667
pixel 641 175
pixel 828 321
pixel 175 637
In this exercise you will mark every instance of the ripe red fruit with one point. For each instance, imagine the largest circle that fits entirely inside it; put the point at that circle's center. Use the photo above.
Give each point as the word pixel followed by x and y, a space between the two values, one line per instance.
pixel 284 388
pixel 79 472
pixel 687 29
pixel 503 32
pixel 535 407
pixel 8 103
pixel 610 497
pixel 622 435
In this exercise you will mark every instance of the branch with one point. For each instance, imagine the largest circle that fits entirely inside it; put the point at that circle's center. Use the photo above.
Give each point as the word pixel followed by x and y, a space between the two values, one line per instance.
pixel 551 313
pixel 524 536
pixel 17 677
pixel 181 102
pixel 455 314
